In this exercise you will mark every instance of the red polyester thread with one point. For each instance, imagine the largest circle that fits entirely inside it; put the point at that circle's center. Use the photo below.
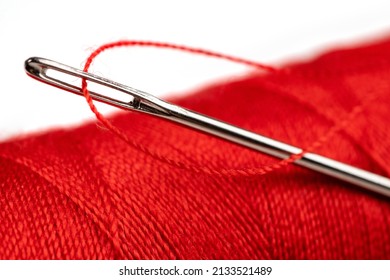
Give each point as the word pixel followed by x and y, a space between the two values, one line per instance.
pixel 80 193
pixel 223 172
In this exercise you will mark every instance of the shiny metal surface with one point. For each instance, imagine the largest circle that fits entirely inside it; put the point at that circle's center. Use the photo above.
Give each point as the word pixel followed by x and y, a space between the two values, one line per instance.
pixel 147 103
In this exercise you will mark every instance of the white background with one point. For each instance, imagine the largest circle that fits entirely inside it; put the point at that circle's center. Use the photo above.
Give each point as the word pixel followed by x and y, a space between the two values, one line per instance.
pixel 303 270
pixel 67 31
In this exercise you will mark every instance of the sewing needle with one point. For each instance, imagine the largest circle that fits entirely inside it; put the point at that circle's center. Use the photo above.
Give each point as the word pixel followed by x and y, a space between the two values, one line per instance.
pixel 143 102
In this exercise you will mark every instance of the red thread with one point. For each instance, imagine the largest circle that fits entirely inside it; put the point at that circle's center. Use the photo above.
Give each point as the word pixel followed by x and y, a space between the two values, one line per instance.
pixel 224 172
pixel 82 194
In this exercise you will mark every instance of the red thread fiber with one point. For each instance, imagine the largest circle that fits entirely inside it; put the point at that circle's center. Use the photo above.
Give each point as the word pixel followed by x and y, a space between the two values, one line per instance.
pixel 85 194
pixel 224 172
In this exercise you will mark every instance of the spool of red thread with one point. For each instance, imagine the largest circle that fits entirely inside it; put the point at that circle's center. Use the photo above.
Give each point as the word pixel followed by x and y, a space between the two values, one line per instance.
pixel 85 194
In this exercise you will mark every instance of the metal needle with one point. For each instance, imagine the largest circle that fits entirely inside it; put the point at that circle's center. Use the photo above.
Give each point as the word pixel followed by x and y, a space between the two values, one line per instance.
pixel 147 103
